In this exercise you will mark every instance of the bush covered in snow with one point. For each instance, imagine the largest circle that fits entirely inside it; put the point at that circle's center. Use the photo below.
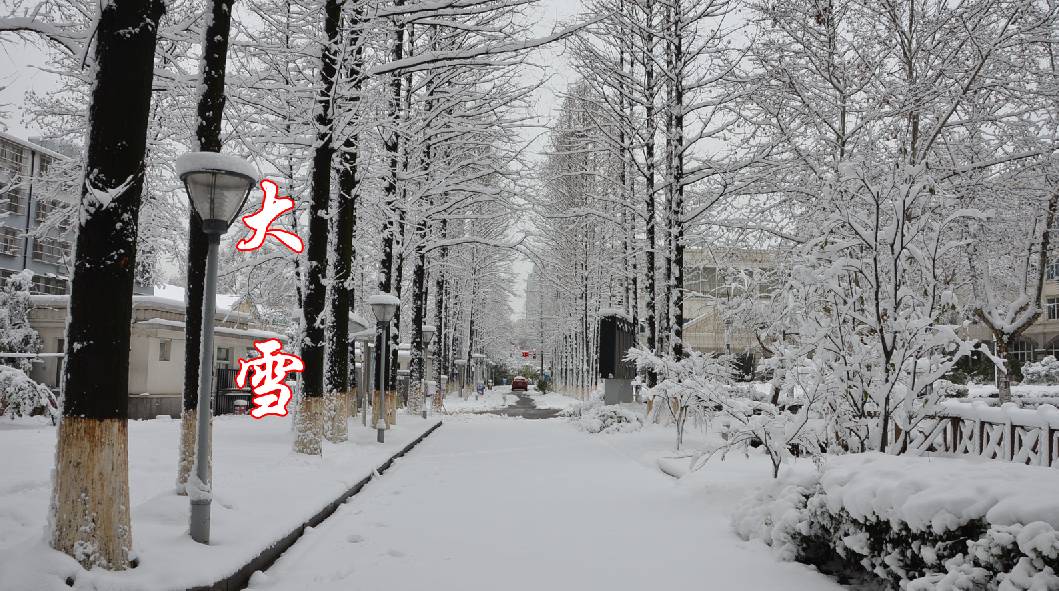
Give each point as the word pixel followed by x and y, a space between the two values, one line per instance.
pixel 1045 372
pixel 610 419
pixel 923 524
pixel 947 389
pixel 595 417
pixel 20 396
pixel 16 335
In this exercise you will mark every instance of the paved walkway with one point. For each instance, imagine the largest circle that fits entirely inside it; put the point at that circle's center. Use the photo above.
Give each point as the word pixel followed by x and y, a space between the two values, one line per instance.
pixel 495 504
pixel 525 408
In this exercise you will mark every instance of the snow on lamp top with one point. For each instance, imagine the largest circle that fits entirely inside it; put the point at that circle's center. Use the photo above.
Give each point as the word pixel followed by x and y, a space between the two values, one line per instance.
pixel 216 183
pixel 384 306
pixel 428 332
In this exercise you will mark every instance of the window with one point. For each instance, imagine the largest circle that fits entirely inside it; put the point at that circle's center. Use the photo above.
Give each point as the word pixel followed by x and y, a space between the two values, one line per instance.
pixel 10 241
pixel 251 353
pixel 223 357
pixel 45 208
pixel 11 157
pixel 44 165
pixel 1022 350
pixel 164 345
pixel 49 285
pixel 12 197
pixel 50 250
pixel 1052 304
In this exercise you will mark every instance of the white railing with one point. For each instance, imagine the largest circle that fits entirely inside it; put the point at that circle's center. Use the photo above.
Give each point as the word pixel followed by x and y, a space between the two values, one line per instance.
pixel 1005 433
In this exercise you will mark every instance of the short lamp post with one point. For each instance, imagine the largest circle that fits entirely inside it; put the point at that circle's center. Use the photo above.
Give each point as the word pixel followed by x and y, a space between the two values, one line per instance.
pixel 461 364
pixel 428 333
pixel 384 306
pixel 217 186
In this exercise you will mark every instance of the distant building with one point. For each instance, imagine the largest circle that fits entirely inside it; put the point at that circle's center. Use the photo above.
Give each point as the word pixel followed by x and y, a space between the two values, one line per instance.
pixel 30 236
pixel 156 351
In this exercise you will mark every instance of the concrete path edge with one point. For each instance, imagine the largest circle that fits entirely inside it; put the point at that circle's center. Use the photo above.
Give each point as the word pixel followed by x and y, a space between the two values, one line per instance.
pixel 241 577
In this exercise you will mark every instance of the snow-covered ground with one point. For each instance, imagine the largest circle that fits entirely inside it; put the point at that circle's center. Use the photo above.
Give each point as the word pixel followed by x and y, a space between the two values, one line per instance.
pixel 262 492
pixel 1020 391
pixel 494 503
pixel 492 399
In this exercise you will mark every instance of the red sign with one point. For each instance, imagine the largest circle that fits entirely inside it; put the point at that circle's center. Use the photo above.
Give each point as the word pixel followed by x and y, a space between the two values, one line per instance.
pixel 525 353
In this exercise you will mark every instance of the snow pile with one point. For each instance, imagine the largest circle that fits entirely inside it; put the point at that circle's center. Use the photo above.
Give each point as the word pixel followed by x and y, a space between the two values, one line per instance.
pixel 20 396
pixel 1045 372
pixel 923 524
pixel 596 417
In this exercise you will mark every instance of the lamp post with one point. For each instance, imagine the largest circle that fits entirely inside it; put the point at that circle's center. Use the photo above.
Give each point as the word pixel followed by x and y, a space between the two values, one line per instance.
pixel 428 333
pixel 217 186
pixel 461 364
pixel 384 306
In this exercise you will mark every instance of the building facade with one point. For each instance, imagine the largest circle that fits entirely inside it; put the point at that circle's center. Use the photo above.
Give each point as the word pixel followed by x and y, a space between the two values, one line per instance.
pixel 38 215
pixel 156 351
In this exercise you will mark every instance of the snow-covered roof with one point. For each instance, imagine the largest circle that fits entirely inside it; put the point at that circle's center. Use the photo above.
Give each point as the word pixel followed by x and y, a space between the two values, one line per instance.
pixel 604 312
pixel 32 146
pixel 195 161
pixel 175 292
pixel 359 320
pixel 143 301
pixel 238 332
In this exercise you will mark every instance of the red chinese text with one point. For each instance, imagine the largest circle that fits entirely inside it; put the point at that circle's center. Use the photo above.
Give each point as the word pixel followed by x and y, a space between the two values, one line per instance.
pixel 271 208
pixel 271 395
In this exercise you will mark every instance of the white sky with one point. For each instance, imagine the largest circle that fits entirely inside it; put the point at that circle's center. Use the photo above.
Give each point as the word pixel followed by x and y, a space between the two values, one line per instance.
pixel 20 71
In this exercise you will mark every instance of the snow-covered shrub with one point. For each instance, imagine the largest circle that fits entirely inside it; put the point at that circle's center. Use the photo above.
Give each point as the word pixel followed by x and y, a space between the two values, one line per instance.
pixel 947 389
pixel 16 335
pixel 594 416
pixel 688 388
pixel 922 524
pixel 609 419
pixel 1044 372
pixel 20 396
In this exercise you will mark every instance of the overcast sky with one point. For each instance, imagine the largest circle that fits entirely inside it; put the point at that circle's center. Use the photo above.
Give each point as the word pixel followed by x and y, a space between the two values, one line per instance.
pixel 21 71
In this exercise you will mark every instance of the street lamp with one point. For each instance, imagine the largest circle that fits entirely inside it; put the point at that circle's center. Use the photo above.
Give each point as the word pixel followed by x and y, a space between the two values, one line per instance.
pixel 462 365
pixel 384 306
pixel 217 186
pixel 428 333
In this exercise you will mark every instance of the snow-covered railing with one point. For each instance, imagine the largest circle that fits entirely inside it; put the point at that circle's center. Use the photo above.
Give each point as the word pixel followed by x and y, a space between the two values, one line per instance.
pixel 1004 433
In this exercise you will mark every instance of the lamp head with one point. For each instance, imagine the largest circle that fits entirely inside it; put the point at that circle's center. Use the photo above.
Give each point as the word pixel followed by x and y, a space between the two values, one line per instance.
pixel 428 332
pixel 217 185
pixel 384 306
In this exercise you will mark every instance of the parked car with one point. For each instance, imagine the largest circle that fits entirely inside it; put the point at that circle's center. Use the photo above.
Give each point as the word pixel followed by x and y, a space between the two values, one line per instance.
pixel 519 383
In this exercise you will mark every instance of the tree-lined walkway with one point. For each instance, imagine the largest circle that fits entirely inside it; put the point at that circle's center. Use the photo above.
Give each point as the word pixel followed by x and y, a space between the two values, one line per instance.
pixel 489 504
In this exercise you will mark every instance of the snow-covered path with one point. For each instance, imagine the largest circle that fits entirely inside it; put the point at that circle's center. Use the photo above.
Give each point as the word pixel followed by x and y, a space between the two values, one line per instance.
pixel 490 503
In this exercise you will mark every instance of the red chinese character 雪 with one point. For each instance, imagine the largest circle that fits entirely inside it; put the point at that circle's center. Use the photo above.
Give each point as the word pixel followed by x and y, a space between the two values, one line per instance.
pixel 271 395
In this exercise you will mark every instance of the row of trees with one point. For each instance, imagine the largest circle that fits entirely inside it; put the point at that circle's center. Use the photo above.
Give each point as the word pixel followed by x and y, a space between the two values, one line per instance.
pixel 391 124
pixel 896 160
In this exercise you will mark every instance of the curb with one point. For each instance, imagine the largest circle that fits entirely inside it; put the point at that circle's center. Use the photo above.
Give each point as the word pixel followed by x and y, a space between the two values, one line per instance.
pixel 241 577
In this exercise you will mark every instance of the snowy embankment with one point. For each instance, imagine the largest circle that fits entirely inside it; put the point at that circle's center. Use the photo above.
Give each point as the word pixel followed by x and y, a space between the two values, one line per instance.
pixel 262 492
pixel 923 523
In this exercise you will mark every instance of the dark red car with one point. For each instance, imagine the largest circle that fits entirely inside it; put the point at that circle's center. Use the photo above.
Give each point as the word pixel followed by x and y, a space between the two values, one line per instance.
pixel 519 383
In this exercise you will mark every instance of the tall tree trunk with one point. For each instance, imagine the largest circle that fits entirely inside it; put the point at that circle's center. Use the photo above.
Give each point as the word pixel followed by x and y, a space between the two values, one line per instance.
pixel 208 136
pixel 650 129
pixel 310 417
pixel 392 147
pixel 676 204
pixel 89 513
pixel 338 343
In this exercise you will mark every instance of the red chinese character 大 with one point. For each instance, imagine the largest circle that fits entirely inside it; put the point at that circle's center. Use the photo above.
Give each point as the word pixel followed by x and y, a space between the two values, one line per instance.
pixel 271 395
pixel 271 208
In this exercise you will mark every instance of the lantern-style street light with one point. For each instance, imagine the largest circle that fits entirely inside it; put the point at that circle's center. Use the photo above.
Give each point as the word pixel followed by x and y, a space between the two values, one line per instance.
pixel 217 186
pixel 428 333
pixel 384 306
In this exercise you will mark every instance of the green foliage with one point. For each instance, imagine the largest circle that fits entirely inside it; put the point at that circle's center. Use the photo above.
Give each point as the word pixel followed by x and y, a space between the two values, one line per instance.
pixel 543 385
